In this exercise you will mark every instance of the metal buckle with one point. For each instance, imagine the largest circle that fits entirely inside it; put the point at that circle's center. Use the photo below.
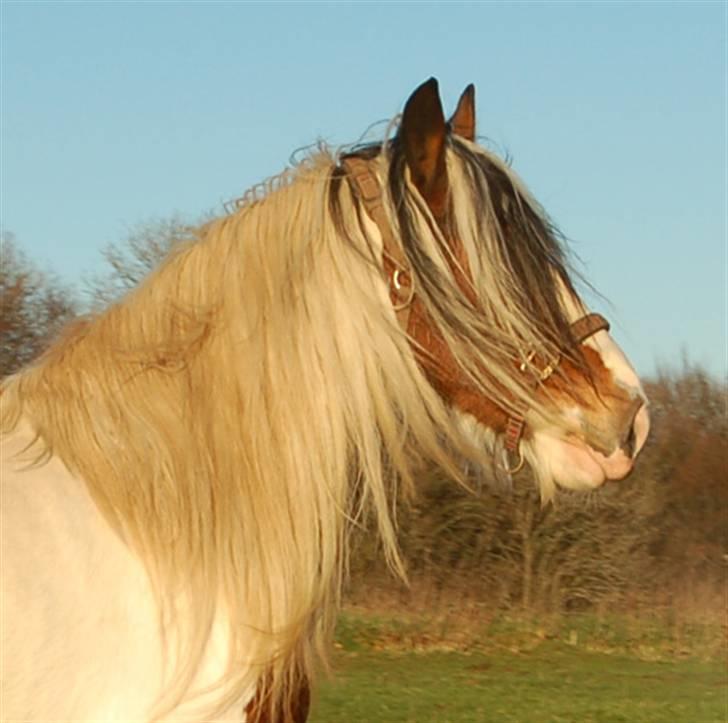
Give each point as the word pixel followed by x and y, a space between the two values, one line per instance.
pixel 544 373
pixel 398 286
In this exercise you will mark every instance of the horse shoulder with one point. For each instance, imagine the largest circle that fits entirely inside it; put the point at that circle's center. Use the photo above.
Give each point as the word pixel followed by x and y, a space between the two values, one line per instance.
pixel 79 630
pixel 77 612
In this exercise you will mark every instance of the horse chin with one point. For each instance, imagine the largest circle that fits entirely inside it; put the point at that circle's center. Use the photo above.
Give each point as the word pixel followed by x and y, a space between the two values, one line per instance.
pixel 574 465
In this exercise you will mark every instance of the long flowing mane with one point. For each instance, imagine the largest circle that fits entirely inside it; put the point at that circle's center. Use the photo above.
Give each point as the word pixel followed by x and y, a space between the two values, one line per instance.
pixel 236 414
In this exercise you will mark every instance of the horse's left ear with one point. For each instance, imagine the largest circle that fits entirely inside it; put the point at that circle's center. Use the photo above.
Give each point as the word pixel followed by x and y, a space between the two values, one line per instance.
pixel 462 122
pixel 422 133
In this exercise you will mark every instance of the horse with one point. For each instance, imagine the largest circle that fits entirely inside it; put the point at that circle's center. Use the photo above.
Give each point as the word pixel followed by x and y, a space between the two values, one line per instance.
pixel 182 471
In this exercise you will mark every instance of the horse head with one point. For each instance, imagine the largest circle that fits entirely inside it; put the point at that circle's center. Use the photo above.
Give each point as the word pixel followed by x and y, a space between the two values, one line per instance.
pixel 479 280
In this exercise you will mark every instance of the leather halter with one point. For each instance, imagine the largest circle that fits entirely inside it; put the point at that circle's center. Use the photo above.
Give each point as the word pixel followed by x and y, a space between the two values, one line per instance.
pixel 366 187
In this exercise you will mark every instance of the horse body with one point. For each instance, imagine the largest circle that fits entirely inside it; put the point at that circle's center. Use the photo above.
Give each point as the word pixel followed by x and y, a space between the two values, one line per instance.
pixel 182 472
pixel 62 562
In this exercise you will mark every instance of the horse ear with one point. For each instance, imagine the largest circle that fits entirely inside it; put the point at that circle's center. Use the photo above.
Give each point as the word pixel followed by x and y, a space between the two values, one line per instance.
pixel 462 122
pixel 422 133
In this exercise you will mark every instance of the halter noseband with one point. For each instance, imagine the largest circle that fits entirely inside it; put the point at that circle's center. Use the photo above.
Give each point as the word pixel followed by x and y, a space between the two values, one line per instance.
pixel 365 186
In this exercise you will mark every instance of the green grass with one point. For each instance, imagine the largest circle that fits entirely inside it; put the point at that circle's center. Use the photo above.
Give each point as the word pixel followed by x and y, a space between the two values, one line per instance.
pixel 377 679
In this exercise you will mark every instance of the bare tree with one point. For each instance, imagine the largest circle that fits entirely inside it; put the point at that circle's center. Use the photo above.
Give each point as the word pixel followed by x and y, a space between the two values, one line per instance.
pixel 579 551
pixel 146 245
pixel 33 306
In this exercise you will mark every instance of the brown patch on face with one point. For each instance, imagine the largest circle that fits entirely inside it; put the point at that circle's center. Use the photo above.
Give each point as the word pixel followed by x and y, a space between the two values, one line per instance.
pixel 569 382
pixel 608 409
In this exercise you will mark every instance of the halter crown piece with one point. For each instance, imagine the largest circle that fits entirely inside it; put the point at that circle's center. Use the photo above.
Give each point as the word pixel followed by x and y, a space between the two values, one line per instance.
pixel 366 187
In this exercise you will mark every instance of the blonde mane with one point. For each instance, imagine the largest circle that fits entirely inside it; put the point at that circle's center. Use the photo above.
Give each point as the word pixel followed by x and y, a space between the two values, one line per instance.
pixel 254 398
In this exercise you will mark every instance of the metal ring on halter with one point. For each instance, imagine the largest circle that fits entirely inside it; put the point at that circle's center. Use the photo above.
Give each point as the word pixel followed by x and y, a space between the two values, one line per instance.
pixel 519 465
pixel 398 286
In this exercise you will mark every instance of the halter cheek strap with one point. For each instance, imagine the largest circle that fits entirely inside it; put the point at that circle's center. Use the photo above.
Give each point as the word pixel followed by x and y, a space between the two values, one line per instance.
pixel 365 186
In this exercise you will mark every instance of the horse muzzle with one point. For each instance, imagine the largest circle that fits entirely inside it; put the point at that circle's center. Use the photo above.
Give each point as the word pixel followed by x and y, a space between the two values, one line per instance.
pixel 615 447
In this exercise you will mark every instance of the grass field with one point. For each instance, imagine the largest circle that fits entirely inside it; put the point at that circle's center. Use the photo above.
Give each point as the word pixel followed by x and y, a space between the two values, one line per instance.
pixel 377 679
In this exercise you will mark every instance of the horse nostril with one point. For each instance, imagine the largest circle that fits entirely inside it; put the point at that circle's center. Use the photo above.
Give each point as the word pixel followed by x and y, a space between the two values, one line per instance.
pixel 628 446
pixel 629 441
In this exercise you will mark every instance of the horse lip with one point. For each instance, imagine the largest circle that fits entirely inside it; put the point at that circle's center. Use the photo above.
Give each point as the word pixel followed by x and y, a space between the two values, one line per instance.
pixel 616 466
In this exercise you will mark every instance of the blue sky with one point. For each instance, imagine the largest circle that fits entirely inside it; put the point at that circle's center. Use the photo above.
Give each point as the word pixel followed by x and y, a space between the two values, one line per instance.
pixel 114 113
